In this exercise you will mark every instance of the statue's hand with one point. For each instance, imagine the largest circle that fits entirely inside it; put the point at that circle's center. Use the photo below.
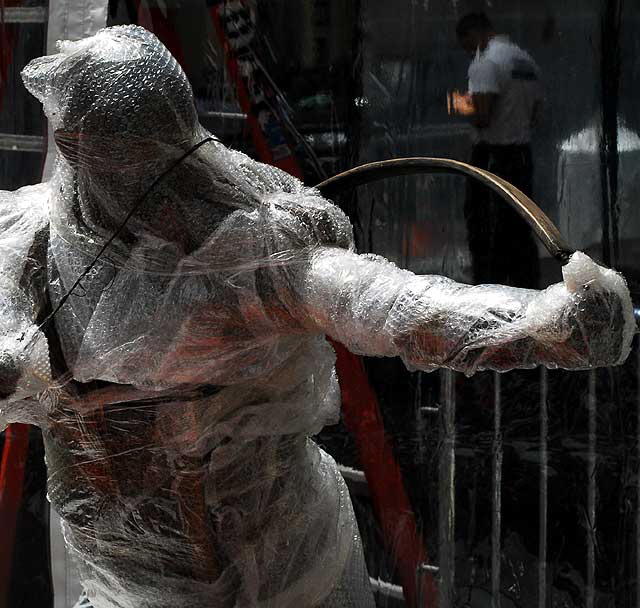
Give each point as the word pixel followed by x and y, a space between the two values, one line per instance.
pixel 588 320
pixel 585 322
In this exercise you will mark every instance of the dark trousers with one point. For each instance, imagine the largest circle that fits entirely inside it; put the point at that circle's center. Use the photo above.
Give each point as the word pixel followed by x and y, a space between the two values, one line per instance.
pixel 502 245
pixel 503 250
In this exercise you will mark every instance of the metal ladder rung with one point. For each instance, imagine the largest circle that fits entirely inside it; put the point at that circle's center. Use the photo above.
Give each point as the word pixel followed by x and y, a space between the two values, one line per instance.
pixel 222 115
pixel 386 589
pixel 24 14
pixel 352 474
pixel 356 480
pixel 14 142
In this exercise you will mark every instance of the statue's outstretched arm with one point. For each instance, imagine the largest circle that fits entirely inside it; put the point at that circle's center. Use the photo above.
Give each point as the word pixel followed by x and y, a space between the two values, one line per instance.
pixel 374 308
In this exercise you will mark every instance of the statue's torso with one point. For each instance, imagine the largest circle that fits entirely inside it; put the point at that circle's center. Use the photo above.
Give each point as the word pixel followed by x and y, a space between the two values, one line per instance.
pixel 179 457
pixel 164 501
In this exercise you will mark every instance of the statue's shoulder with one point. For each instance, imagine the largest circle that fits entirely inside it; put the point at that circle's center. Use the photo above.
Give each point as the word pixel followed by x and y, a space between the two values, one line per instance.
pixel 28 205
pixel 324 222
pixel 281 208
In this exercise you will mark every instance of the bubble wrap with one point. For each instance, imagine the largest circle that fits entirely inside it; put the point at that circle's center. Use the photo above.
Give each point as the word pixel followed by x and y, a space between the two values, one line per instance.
pixel 191 365
pixel 24 355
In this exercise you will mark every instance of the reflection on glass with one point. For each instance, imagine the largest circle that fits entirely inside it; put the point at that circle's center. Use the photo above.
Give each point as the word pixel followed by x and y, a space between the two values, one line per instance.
pixel 503 103
pixel 580 181
pixel 352 82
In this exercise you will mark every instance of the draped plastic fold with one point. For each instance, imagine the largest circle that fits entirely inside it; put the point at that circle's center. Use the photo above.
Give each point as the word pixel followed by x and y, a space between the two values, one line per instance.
pixel 190 365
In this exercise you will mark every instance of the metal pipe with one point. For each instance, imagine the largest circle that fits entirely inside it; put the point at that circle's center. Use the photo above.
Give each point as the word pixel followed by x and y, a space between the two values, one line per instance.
pixel 13 142
pixel 421 570
pixel 386 590
pixel 25 14
pixel 496 472
pixel 591 491
pixel 446 490
pixel 544 484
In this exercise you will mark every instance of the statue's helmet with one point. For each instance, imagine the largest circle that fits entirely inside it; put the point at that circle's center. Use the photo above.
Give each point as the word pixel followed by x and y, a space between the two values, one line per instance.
pixel 120 84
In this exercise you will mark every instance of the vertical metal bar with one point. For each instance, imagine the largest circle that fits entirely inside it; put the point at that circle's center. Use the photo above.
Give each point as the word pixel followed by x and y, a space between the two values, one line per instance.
pixel 421 570
pixel 26 14
pixel 421 425
pixel 419 588
pixel 638 487
pixel 446 481
pixel 544 478
pixel 496 523
pixel 591 491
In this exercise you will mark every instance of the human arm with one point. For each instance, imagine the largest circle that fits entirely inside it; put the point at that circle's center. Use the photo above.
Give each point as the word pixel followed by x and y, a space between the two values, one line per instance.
pixel 483 104
pixel 484 89
pixel 478 107
pixel 374 308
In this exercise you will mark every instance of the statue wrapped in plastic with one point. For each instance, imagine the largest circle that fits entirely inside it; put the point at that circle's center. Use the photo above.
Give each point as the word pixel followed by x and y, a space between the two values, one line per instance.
pixel 178 386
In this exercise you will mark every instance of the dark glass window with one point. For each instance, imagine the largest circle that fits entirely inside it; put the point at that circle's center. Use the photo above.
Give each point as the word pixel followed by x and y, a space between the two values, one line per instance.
pixel 524 487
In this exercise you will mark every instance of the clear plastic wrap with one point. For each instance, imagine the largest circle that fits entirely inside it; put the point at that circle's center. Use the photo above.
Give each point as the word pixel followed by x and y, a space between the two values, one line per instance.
pixel 374 308
pixel 24 355
pixel 179 454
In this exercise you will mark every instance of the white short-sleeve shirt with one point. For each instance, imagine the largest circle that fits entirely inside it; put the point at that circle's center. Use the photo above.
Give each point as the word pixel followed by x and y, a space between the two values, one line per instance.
pixel 505 69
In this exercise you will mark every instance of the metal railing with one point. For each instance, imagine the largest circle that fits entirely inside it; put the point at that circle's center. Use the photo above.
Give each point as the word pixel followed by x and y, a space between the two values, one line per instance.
pixel 444 570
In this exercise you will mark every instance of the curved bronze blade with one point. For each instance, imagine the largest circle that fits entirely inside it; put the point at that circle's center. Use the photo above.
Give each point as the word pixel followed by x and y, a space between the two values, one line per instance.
pixel 530 212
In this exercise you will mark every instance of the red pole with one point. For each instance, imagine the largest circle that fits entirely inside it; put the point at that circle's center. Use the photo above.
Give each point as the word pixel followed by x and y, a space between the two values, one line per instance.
pixel 16 440
pixel 12 473
pixel 162 25
pixel 266 131
pixel 362 416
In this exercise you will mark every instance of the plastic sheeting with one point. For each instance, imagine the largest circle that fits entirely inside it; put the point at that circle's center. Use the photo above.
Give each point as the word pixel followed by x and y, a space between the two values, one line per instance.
pixel 190 365
pixel 24 355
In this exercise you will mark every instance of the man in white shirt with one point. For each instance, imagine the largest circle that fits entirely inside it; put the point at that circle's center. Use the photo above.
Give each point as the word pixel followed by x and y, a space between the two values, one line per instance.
pixel 503 103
